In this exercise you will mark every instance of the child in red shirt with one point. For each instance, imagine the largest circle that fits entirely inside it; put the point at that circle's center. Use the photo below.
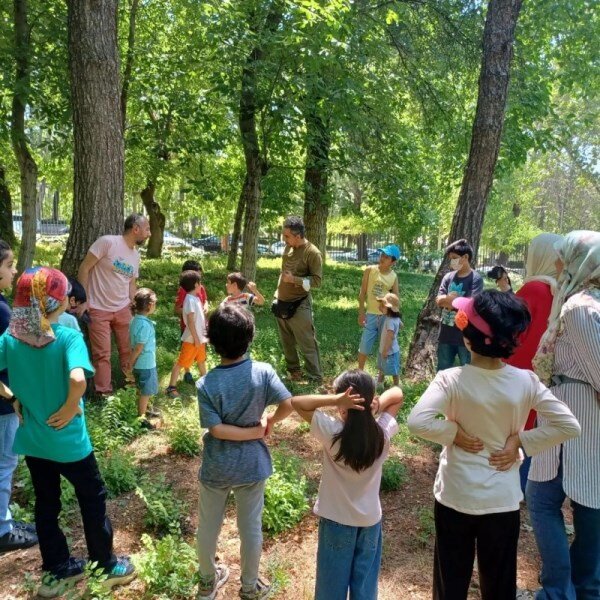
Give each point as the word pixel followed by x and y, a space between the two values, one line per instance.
pixel 189 265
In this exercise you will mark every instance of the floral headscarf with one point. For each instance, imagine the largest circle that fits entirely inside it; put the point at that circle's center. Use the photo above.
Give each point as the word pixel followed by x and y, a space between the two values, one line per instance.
pixel 580 253
pixel 541 256
pixel 40 291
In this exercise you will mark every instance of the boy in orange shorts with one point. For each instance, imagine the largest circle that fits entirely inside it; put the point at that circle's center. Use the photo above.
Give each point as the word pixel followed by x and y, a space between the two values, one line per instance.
pixel 193 339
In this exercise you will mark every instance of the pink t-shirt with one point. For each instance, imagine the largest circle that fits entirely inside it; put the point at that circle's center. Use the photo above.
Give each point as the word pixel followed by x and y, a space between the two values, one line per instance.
pixel 109 279
pixel 345 496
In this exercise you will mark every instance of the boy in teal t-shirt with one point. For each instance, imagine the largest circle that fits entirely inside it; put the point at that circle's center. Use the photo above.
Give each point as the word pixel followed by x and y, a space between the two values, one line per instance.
pixel 52 434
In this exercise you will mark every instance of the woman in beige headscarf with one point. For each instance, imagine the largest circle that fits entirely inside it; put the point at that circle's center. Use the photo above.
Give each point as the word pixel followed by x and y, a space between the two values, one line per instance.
pixel 568 359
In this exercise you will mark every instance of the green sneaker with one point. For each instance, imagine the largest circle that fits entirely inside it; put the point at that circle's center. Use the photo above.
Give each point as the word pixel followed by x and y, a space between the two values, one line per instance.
pixel 261 590
pixel 123 572
pixel 207 590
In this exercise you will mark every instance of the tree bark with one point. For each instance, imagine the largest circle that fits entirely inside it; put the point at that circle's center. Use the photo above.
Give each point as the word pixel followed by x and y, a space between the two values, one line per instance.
pixel 133 8
pixel 7 232
pixel 316 201
pixel 156 219
pixel 97 127
pixel 237 228
pixel 254 156
pixel 498 41
pixel 55 205
pixel 25 160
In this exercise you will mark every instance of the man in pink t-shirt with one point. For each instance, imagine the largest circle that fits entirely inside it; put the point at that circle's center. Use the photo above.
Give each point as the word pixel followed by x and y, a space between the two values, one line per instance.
pixel 108 273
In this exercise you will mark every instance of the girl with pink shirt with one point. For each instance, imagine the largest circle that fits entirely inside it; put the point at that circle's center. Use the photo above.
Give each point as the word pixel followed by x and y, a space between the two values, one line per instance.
pixel 355 447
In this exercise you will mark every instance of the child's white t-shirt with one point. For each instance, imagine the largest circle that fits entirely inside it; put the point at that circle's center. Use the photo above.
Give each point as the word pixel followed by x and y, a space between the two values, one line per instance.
pixel 490 405
pixel 346 496
pixel 192 304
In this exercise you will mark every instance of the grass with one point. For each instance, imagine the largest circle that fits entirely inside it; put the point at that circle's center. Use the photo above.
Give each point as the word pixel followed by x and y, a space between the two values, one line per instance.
pixel 126 454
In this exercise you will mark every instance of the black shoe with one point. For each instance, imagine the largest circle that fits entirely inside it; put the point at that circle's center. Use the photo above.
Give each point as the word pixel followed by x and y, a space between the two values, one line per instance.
pixel 58 582
pixel 145 424
pixel 121 573
pixel 17 539
pixel 26 526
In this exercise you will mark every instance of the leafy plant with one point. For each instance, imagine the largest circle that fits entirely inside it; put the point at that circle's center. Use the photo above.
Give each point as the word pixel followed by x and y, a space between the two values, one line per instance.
pixel 183 430
pixel 119 471
pixel 168 567
pixel 163 509
pixel 285 495
pixel 426 528
pixel 394 475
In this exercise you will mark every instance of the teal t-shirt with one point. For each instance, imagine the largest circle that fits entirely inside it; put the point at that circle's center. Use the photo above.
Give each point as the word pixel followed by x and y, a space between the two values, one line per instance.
pixel 141 331
pixel 39 378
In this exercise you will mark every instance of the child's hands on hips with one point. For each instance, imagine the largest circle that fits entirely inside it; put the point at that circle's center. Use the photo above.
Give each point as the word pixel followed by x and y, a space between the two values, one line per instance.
pixel 467 442
pixel 63 416
pixel 504 459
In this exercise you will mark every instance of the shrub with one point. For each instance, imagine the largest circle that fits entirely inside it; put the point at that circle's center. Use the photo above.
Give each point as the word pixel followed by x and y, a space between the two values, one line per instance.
pixel 118 471
pixel 183 430
pixel 426 528
pixel 285 495
pixel 163 509
pixel 394 475
pixel 115 422
pixel 168 567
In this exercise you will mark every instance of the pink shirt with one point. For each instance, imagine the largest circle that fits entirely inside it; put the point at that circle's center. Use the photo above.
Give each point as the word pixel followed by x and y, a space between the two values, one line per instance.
pixel 345 496
pixel 109 279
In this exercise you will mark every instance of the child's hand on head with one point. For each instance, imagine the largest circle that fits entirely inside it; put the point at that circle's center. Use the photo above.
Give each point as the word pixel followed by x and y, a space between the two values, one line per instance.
pixel 350 401
pixel 252 286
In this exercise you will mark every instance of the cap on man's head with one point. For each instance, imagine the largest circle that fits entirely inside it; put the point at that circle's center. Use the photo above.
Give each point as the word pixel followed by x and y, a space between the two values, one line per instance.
pixel 391 250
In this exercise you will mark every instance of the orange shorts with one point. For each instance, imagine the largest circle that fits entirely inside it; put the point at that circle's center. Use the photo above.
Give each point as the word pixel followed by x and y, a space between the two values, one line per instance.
pixel 189 354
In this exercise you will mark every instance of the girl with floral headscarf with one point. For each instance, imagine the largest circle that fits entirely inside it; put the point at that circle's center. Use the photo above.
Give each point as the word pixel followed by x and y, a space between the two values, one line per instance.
pixel 47 366
pixel 568 358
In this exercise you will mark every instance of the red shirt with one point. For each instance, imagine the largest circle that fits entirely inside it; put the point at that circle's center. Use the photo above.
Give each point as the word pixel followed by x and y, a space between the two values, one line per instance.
pixel 181 294
pixel 538 297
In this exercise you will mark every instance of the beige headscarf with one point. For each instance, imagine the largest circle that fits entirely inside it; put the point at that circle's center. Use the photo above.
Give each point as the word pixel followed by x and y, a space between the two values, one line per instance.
pixel 580 253
pixel 541 256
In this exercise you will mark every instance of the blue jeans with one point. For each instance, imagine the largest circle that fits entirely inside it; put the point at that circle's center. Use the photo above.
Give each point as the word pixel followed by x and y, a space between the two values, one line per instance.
pixel 8 463
pixel 347 558
pixel 447 354
pixel 370 333
pixel 567 573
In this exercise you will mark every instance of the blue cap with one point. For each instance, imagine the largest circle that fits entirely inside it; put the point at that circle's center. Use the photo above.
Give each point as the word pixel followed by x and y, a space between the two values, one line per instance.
pixel 391 250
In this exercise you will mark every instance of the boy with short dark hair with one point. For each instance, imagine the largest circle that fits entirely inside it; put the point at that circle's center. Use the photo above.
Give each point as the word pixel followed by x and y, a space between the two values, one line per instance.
pixel 232 399
pixel 236 283
pixel 190 265
pixel 462 281
pixel 77 296
pixel 193 339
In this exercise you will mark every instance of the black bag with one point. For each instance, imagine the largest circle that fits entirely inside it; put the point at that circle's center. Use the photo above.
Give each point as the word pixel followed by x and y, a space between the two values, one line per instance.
pixel 286 310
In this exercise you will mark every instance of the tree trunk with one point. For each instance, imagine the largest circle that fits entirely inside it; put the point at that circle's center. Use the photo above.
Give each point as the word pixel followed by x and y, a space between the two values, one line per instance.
pixel 157 221
pixel 498 40
pixel 237 229
pixel 255 158
pixel 133 8
pixel 55 206
pixel 7 232
pixel 316 201
pixel 25 160
pixel 97 127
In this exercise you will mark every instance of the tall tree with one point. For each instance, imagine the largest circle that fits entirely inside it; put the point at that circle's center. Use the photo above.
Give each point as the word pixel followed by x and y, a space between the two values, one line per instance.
pixel 27 165
pixel 498 42
pixel 97 126
pixel 6 224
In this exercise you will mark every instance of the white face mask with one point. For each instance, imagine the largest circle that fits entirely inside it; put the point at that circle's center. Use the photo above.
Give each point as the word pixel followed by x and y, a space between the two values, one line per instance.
pixel 455 264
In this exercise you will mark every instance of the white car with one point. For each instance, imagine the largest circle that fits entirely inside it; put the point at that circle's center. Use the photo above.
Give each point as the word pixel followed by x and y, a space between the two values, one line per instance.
pixel 172 241
pixel 277 248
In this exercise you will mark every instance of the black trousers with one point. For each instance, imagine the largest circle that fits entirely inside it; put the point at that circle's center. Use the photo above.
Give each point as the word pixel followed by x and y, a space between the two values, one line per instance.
pixel 91 495
pixel 457 535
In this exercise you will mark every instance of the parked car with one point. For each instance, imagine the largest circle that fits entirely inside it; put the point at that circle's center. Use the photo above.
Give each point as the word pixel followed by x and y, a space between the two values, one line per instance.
pixel 277 248
pixel 343 255
pixel 49 227
pixel 263 249
pixel 210 243
pixel 172 241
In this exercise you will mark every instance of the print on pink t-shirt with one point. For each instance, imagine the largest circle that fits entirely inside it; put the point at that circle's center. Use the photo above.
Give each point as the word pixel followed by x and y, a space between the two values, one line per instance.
pixel 109 279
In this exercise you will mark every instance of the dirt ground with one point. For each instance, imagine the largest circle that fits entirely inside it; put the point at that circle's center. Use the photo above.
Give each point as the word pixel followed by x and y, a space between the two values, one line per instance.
pixel 408 544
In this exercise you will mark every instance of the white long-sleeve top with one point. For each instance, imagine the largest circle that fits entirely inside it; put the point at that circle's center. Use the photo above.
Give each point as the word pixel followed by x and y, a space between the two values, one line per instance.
pixel 490 405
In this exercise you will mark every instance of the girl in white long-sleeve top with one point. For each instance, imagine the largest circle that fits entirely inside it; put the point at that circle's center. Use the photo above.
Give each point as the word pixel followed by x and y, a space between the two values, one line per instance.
pixel 477 489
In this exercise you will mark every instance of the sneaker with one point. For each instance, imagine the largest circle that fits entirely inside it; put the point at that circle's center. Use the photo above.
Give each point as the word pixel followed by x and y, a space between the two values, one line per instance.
pixel 153 413
pixel 189 378
pixel 145 424
pixel 261 590
pixel 57 583
pixel 123 572
pixel 17 539
pixel 209 591
pixel 26 526
pixel 172 392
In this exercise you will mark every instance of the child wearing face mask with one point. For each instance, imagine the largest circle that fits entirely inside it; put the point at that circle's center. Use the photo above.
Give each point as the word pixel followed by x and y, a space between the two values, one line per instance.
pixel 462 281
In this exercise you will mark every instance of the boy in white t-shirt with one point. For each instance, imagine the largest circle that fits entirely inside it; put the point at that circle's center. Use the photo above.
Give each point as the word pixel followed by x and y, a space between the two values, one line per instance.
pixel 354 450
pixel 193 339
